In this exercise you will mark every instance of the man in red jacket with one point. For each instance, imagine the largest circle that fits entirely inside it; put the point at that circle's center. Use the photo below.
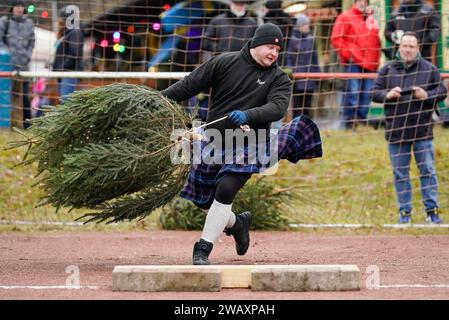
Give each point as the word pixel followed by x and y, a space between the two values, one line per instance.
pixel 355 37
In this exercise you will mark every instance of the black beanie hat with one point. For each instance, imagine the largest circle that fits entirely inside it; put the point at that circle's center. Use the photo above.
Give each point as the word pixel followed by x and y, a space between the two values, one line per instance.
pixel 267 33
pixel 15 3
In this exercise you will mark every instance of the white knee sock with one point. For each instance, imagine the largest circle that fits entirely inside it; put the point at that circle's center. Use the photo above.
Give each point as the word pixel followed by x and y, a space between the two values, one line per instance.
pixel 231 221
pixel 216 220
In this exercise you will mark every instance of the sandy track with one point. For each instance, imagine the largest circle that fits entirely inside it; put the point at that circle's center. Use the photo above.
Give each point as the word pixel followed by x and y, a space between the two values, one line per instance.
pixel 417 264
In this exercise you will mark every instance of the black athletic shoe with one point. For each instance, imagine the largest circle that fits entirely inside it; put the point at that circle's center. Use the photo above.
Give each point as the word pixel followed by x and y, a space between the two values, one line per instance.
pixel 201 251
pixel 240 231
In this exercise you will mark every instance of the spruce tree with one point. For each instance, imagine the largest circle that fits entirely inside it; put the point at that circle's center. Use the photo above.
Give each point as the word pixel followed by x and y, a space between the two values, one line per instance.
pixel 108 149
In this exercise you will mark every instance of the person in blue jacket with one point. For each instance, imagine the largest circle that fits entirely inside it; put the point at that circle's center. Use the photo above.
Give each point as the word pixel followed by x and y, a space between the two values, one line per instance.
pixel 410 88
pixel 301 56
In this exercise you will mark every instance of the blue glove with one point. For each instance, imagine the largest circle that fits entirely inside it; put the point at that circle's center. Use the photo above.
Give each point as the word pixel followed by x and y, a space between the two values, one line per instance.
pixel 238 118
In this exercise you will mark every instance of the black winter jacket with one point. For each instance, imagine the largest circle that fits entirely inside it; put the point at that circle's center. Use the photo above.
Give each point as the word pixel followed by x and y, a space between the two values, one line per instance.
pixel 69 51
pixel 227 32
pixel 238 82
pixel 408 119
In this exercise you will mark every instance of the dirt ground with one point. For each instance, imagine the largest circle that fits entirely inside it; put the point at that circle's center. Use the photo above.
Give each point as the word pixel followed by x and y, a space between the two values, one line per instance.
pixel 33 266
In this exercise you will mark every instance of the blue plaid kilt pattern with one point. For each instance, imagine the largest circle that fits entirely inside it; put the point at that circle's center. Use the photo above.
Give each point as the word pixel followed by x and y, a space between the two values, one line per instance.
pixel 298 139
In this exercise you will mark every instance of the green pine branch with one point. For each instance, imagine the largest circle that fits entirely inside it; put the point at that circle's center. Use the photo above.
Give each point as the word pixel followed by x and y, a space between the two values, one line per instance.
pixel 108 149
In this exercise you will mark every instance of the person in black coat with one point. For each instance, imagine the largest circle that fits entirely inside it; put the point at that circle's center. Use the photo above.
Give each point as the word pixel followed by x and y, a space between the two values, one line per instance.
pixel 301 56
pixel 228 31
pixel 69 48
pixel 415 16
pixel 276 15
pixel 410 88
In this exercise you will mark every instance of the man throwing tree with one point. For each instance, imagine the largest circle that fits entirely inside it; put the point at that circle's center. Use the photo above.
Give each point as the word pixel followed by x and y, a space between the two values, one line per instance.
pixel 250 89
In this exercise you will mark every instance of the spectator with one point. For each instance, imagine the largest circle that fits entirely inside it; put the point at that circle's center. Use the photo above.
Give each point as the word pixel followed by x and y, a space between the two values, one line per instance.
pixel 276 15
pixel 229 31
pixel 301 56
pixel 69 48
pixel 418 17
pixel 358 47
pixel 410 88
pixel 226 32
pixel 273 13
pixel 17 35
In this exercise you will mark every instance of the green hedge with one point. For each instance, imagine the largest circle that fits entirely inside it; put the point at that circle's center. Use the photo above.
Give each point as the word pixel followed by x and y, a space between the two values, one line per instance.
pixel 262 198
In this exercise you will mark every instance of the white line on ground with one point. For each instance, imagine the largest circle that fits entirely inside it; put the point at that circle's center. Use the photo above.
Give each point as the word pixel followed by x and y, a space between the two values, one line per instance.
pixel 291 225
pixel 414 286
pixel 416 226
pixel 58 223
pixel 359 226
pixel 49 287
pixel 329 225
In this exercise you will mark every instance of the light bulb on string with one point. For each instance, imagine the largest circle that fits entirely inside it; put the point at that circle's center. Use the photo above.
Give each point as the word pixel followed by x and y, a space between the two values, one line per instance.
pixel 156 26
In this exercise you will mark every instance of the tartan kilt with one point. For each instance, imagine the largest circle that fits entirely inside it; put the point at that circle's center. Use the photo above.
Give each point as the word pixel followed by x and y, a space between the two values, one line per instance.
pixel 298 139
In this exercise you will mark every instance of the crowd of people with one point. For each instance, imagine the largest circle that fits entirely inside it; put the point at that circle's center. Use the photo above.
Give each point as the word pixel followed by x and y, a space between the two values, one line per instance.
pixel 409 85
pixel 354 36
pixel 17 32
